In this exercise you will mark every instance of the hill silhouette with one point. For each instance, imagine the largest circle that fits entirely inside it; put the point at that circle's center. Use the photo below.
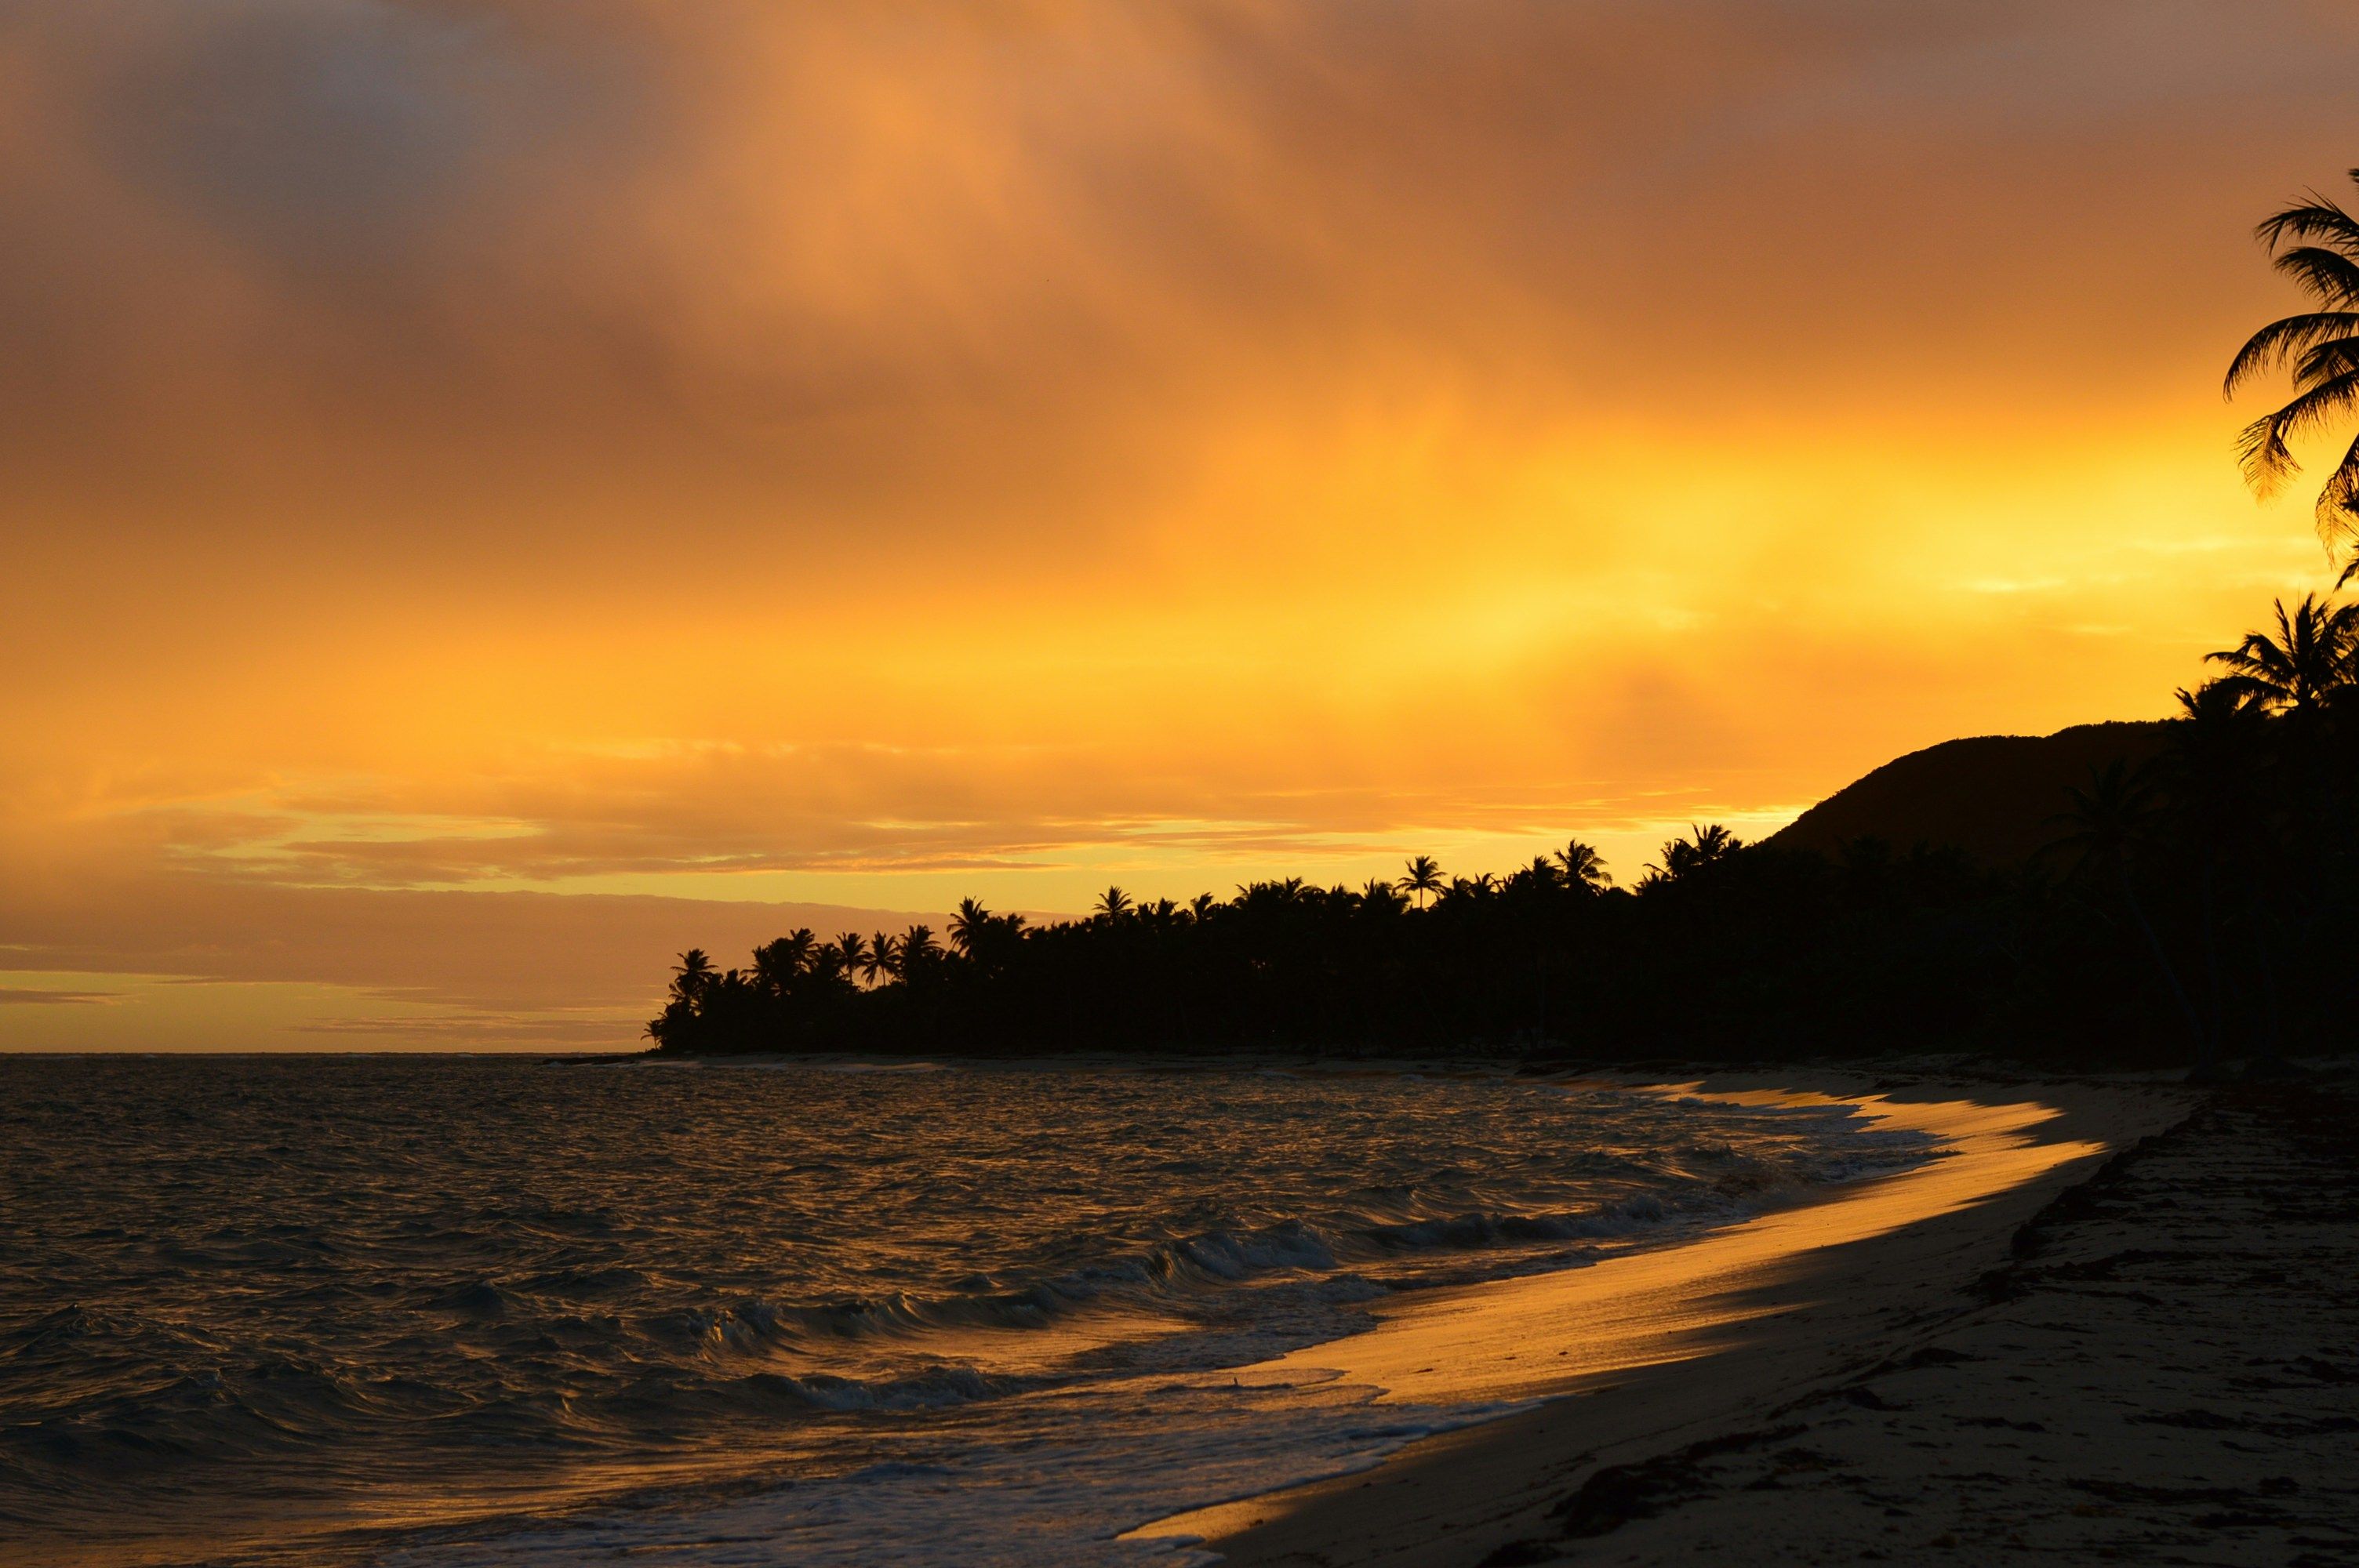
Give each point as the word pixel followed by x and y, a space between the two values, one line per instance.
pixel 1994 796
pixel 2200 907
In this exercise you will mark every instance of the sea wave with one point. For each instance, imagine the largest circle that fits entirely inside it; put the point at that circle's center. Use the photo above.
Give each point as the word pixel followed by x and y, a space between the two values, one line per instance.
pixel 362 1292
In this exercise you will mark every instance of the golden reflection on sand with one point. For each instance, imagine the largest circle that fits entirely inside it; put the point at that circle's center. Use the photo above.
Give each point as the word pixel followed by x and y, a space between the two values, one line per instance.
pixel 1545 1335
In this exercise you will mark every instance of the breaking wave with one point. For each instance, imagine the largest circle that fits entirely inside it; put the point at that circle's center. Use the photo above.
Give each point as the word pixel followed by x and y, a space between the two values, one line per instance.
pixel 336 1302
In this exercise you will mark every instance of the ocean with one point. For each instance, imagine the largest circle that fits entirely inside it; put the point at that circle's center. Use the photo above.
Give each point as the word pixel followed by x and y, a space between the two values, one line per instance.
pixel 438 1310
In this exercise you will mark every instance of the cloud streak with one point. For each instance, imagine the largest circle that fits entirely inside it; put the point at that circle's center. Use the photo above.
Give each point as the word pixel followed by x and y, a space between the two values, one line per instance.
pixel 708 459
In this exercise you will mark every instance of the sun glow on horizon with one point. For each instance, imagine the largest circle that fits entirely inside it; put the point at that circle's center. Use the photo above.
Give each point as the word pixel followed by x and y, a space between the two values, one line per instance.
pixel 633 474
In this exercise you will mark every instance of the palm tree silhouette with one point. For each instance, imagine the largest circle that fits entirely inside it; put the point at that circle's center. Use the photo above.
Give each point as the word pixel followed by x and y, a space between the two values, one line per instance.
pixel 1584 867
pixel 778 964
pixel 2296 670
pixel 2315 243
pixel 2219 732
pixel 969 926
pixel 2240 840
pixel 917 950
pixel 1702 846
pixel 854 949
pixel 693 974
pixel 2106 821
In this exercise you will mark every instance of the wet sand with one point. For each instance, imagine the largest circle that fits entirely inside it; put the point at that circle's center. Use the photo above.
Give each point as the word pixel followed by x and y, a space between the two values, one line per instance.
pixel 1913 1371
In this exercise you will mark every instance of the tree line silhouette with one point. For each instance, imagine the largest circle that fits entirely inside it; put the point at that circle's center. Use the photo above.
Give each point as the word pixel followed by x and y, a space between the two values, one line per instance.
pixel 2201 905
pixel 2197 907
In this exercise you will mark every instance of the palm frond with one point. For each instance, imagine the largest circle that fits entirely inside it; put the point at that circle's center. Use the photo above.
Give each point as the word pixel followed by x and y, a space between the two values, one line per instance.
pixel 2261 446
pixel 2277 341
pixel 2255 691
pixel 2315 218
pixel 2324 361
pixel 2331 275
pixel 2259 663
pixel 2261 452
pixel 2338 511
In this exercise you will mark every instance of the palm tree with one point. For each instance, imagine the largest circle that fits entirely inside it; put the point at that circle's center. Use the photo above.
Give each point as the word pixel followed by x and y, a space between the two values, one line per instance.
pixel 884 959
pixel 2106 821
pixel 2307 659
pixel 1702 846
pixel 1584 867
pixel 692 976
pixel 1114 905
pixel 2215 734
pixel 969 926
pixel 2214 744
pixel 777 964
pixel 1424 877
pixel 919 949
pixel 1203 905
pixel 853 947
pixel 2316 243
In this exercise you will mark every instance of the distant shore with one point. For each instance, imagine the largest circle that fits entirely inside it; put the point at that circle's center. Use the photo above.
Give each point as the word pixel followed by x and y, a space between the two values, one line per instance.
pixel 2048 1357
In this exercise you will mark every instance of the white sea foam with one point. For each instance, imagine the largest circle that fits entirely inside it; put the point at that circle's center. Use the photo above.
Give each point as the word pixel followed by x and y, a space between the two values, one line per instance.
pixel 1063 1478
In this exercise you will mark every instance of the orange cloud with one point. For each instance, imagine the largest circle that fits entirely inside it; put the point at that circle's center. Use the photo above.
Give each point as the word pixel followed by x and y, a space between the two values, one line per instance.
pixel 660 463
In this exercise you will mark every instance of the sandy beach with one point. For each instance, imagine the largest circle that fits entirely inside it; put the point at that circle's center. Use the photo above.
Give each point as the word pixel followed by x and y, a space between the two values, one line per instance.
pixel 2114 1321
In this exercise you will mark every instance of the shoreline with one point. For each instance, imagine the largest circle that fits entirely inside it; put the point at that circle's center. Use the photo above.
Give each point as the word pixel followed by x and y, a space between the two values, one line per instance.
pixel 1645 1351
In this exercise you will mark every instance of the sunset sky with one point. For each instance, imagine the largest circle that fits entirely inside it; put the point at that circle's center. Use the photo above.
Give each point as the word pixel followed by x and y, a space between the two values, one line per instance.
pixel 499 490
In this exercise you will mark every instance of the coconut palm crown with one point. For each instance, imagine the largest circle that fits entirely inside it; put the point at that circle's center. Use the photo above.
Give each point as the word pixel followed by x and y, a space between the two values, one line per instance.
pixel 2316 242
pixel 1424 877
pixel 2300 668
pixel 1584 867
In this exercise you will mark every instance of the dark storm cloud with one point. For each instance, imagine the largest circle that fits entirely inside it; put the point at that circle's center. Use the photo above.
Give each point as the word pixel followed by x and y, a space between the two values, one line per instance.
pixel 780 249
pixel 321 135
